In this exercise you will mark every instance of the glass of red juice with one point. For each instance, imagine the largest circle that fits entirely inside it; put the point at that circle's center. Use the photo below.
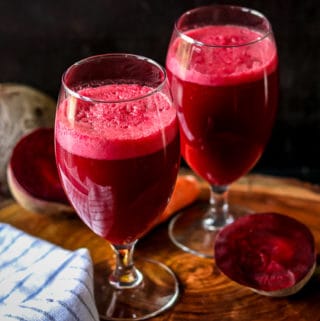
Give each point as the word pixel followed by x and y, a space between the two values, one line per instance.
pixel 222 66
pixel 117 151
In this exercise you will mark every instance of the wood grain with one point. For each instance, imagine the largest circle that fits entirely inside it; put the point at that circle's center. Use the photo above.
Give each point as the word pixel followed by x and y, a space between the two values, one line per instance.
pixel 206 294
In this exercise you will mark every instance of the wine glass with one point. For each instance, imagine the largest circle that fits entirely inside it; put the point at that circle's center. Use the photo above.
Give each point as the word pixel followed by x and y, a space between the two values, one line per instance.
pixel 117 152
pixel 222 67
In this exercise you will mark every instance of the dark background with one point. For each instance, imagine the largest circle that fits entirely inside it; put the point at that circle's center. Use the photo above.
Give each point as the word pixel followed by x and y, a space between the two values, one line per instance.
pixel 39 39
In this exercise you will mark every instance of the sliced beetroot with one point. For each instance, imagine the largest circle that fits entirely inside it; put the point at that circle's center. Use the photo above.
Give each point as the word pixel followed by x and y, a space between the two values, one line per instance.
pixel 269 252
pixel 32 173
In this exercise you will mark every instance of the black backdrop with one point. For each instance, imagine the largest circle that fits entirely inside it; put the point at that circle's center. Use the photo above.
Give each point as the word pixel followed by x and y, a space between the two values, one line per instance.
pixel 40 38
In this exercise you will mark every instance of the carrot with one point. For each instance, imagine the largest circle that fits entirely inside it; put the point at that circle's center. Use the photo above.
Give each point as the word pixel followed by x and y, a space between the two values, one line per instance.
pixel 186 191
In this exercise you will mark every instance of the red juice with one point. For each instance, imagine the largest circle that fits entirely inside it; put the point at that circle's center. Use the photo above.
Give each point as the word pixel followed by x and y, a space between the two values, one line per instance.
pixel 226 99
pixel 118 162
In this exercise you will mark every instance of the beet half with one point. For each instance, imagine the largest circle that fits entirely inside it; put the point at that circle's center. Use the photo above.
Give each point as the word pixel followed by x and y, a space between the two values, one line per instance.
pixel 271 253
pixel 32 174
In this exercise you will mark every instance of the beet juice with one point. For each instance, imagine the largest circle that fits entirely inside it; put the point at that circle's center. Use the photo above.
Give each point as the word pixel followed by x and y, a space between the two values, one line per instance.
pixel 226 98
pixel 118 161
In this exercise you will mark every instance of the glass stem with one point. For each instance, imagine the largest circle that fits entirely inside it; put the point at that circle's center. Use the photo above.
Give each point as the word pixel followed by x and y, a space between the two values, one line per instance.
pixel 218 215
pixel 125 274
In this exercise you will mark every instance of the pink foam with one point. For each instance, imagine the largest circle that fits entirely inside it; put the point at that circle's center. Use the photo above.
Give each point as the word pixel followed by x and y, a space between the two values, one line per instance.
pixel 224 64
pixel 116 130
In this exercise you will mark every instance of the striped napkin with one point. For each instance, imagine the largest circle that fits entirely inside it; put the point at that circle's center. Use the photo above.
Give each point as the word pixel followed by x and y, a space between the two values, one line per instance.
pixel 40 281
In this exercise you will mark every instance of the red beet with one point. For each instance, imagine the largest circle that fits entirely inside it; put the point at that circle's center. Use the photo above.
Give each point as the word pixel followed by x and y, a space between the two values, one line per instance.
pixel 32 174
pixel 269 252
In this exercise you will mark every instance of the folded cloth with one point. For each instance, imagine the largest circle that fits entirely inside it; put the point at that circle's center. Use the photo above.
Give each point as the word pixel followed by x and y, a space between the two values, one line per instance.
pixel 43 282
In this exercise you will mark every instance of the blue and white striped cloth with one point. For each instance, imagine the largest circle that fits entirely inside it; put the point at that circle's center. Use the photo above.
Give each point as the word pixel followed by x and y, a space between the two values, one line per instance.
pixel 40 281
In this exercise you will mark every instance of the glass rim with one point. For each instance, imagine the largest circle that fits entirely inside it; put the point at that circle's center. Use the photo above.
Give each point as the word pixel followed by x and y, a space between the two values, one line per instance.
pixel 76 95
pixel 241 8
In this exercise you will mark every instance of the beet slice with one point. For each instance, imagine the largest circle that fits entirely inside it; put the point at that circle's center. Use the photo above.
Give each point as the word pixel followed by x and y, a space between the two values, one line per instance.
pixel 271 253
pixel 32 174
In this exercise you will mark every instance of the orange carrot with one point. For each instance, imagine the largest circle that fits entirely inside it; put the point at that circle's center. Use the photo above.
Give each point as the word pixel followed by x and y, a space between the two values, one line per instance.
pixel 186 191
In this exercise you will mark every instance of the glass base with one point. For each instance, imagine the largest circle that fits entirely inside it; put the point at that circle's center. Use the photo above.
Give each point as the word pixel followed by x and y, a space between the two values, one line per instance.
pixel 157 292
pixel 193 230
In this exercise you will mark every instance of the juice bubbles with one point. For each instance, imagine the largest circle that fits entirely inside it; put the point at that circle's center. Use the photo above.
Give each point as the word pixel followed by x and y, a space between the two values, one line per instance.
pixel 226 95
pixel 118 161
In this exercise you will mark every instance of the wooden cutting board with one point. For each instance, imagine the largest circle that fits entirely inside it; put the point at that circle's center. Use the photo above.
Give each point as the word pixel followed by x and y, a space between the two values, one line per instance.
pixel 206 294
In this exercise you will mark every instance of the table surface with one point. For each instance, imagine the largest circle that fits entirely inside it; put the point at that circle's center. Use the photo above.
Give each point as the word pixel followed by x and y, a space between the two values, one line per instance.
pixel 206 294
